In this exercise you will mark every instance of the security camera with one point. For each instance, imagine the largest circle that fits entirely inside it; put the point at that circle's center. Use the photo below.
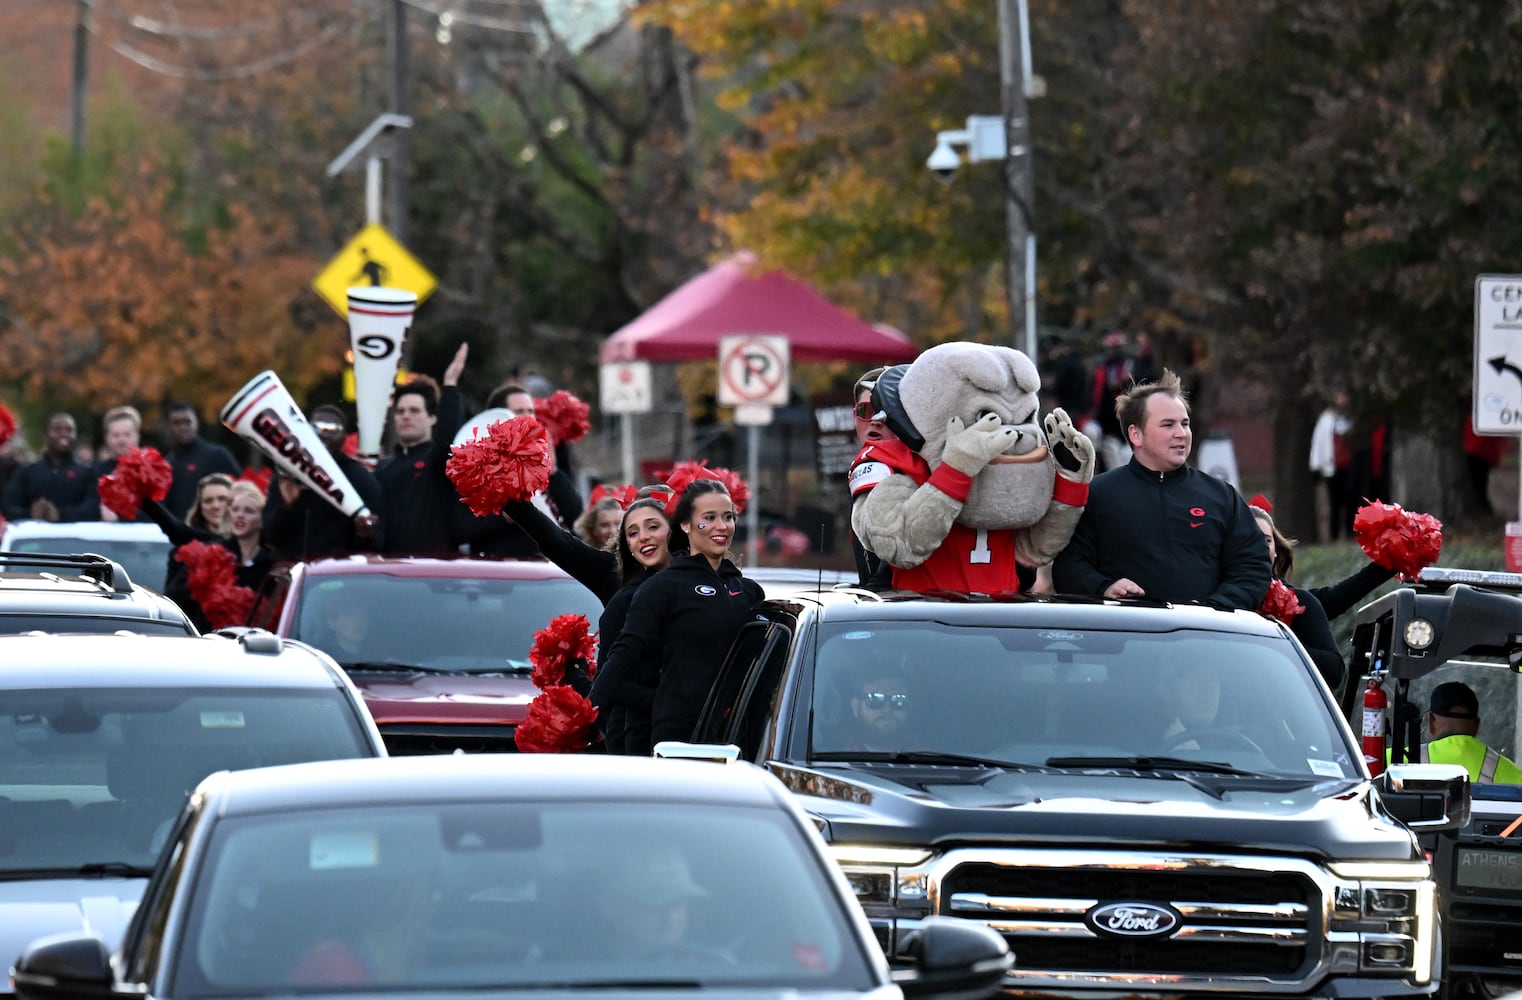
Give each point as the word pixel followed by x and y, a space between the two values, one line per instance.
pixel 944 162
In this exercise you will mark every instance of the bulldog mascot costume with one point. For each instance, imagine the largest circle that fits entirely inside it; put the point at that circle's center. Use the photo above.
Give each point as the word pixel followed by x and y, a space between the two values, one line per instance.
pixel 975 483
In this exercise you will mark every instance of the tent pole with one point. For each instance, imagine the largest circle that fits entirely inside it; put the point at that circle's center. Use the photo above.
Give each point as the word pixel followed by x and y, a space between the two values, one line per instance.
pixel 626 446
pixel 752 509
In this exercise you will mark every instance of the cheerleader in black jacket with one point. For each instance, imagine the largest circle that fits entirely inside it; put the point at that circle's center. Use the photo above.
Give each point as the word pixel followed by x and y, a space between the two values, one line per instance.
pixel 685 617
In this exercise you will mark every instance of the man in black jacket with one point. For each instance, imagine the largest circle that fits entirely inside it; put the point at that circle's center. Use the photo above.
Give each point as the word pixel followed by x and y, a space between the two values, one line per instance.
pixel 56 487
pixel 1156 527
pixel 417 494
pixel 192 458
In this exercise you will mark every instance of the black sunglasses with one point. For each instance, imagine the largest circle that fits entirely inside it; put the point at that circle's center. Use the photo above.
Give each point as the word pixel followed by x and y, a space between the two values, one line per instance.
pixel 881 699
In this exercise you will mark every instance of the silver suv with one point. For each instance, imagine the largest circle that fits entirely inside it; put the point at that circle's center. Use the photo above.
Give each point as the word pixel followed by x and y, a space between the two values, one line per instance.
pixel 55 592
pixel 102 736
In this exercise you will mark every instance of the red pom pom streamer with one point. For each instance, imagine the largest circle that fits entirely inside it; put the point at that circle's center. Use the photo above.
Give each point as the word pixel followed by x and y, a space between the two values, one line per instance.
pixel 1280 602
pixel 565 638
pixel 209 576
pixel 559 721
pixel 141 474
pixel 7 424
pixel 1397 539
pixel 565 416
pixel 511 462
pixel 625 495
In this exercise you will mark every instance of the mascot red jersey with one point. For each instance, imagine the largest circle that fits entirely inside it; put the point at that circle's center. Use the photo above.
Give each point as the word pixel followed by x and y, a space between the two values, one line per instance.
pixel 975 483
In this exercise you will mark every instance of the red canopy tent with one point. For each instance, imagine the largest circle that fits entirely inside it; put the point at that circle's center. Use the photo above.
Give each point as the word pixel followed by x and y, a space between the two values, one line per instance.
pixel 732 298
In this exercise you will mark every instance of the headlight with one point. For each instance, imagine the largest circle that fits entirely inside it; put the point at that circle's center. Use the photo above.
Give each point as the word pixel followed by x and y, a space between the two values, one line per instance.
pixel 1419 633
pixel 884 875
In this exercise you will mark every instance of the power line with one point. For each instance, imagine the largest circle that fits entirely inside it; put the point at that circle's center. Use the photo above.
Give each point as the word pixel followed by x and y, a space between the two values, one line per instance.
pixel 264 65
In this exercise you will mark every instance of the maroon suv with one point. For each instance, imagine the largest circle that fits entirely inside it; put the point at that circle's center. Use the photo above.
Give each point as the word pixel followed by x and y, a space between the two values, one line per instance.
pixel 438 647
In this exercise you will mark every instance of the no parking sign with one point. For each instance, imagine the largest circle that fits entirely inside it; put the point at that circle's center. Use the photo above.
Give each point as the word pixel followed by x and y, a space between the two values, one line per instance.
pixel 753 370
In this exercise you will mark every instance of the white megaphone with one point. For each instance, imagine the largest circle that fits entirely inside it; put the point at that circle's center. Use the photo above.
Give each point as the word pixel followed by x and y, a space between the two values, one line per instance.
pixel 378 321
pixel 264 414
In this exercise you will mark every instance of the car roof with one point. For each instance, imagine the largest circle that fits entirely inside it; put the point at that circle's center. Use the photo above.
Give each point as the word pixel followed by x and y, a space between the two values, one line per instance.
pixel 1031 611
pixel 81 530
pixel 488 776
pixel 170 661
pixel 66 586
pixel 463 568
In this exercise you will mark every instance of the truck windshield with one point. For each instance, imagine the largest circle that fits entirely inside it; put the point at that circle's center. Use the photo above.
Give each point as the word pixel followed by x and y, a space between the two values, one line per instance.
pixel 1035 694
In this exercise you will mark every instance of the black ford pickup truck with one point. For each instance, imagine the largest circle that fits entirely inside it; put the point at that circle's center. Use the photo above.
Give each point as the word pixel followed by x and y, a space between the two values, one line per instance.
pixel 1145 800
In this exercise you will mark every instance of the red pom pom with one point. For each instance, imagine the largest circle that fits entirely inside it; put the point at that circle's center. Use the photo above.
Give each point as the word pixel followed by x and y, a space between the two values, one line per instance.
pixel 1280 602
pixel 140 474
pixel 739 489
pixel 209 576
pixel 565 416
pixel 7 424
pixel 1398 539
pixel 511 462
pixel 559 721
pixel 565 638
pixel 623 494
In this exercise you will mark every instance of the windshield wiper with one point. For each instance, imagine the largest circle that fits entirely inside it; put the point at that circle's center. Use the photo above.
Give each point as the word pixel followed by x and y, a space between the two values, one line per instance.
pixel 931 757
pixel 94 869
pixel 606 984
pixel 1153 764
pixel 381 666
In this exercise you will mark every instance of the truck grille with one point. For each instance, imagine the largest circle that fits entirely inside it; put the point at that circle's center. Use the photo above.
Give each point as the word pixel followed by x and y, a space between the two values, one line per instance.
pixel 410 740
pixel 1241 923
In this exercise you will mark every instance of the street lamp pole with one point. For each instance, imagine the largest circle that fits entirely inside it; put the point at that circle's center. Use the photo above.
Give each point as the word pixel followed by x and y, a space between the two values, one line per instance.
pixel 1020 229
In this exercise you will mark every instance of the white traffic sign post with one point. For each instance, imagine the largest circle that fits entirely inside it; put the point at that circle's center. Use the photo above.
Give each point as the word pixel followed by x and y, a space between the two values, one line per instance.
pixel 624 388
pixel 1498 356
pixel 753 378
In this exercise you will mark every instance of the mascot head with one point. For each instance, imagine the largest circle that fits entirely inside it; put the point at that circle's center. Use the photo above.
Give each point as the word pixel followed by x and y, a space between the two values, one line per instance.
pixel 968 380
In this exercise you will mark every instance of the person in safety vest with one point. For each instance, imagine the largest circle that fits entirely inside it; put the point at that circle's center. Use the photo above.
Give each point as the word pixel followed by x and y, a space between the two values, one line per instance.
pixel 1453 718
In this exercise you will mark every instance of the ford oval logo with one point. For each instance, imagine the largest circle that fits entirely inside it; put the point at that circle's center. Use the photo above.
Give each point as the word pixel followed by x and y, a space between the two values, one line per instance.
pixel 1133 920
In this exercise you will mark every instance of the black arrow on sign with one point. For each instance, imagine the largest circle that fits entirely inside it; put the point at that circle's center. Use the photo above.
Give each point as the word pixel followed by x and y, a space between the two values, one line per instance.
pixel 1500 364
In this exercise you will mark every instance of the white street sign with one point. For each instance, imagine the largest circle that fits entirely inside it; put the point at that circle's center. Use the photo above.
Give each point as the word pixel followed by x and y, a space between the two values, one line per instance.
pixel 753 369
pixel 1498 354
pixel 624 387
pixel 753 415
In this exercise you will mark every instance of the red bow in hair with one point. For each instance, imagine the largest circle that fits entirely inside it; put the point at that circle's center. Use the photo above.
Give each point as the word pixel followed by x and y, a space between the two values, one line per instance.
pixel 1398 539
pixel 511 462
pixel 682 475
pixel 141 474
pixel 1261 502
pixel 625 495
pixel 7 424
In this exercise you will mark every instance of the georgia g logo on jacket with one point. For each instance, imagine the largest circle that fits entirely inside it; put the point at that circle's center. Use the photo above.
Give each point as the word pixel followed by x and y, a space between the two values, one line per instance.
pixel 704 589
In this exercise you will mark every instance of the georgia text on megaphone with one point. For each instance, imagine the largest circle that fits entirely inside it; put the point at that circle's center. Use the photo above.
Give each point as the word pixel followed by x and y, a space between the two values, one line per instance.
pixel 288 440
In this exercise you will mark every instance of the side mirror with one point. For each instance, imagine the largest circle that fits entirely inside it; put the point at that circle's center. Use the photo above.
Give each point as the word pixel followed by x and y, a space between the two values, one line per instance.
pixel 64 967
pixel 955 959
pixel 1429 798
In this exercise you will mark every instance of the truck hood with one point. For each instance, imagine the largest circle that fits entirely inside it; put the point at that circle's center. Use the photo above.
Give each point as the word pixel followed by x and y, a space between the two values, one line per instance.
pixel 445 699
pixel 35 908
pixel 1330 818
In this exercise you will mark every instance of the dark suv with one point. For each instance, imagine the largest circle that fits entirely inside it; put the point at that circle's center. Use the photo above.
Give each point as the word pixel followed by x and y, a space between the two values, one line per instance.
pixel 1145 800
pixel 48 592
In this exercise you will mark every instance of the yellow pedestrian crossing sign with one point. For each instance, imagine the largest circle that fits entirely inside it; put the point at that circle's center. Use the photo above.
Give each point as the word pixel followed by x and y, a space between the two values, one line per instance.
pixel 372 257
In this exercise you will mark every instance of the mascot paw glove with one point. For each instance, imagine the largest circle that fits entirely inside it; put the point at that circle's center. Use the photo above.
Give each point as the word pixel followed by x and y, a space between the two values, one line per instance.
pixel 968 449
pixel 1071 448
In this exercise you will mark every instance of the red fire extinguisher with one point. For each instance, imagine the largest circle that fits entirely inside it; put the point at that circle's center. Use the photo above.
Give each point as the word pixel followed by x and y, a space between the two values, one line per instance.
pixel 1374 705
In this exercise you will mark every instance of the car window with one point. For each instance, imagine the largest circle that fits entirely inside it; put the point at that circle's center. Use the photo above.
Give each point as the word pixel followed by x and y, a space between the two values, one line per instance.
pixel 430 896
pixel 1029 694
pixel 490 622
pixel 16 623
pixel 97 776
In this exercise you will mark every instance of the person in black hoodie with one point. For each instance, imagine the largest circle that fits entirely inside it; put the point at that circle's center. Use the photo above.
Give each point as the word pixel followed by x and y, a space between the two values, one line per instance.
pixel 418 498
pixel 1313 626
pixel 685 616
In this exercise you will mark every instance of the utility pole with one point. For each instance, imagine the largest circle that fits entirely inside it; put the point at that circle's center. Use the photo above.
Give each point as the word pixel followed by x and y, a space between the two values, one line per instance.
pixel 81 75
pixel 1019 186
pixel 396 94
